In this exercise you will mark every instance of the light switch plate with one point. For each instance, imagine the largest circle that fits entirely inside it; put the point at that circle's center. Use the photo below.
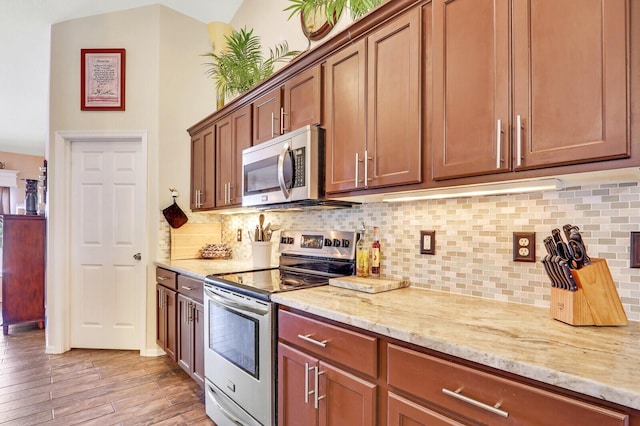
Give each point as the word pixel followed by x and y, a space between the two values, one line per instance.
pixel 524 246
pixel 427 242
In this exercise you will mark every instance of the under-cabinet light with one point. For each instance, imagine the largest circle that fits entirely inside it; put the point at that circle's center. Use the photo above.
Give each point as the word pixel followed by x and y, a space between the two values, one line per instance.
pixel 516 187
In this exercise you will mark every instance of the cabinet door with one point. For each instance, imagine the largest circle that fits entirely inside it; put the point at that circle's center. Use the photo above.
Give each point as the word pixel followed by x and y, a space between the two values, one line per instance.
pixel 570 85
pixel 393 115
pixel 303 99
pixel 345 398
pixel 203 160
pixel 470 87
pixel 295 381
pixel 171 335
pixel 185 352
pixel 198 344
pixel 225 155
pixel 242 126
pixel 161 318
pixel 266 116
pixel 345 109
pixel 402 412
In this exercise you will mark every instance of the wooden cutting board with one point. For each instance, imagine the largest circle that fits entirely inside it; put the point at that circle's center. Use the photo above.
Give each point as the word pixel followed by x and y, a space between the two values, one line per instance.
pixel 367 285
pixel 187 240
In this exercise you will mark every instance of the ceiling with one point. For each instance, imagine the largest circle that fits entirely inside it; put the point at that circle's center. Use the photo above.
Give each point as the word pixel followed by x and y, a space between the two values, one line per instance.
pixel 24 49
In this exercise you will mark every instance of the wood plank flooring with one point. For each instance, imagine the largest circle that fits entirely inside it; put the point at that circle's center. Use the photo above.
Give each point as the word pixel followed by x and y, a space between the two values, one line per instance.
pixel 91 387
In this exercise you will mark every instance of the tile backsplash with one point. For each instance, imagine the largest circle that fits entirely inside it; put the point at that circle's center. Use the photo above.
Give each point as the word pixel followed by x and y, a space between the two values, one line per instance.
pixel 474 238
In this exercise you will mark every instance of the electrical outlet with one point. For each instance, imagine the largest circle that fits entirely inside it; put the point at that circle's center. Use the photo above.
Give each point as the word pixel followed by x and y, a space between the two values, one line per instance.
pixel 239 234
pixel 524 246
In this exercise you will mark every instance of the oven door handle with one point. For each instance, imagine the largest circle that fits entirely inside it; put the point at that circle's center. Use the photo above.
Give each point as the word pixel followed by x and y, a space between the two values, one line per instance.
pixel 236 305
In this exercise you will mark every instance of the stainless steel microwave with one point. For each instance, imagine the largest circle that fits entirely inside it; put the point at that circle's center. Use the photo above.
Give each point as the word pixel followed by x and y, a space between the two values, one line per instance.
pixel 286 169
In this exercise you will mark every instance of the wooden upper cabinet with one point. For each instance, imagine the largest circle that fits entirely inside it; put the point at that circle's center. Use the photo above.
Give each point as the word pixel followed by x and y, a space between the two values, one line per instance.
pixel 569 84
pixel 393 115
pixel 470 87
pixel 345 111
pixel 203 159
pixel 570 81
pixel 266 116
pixel 372 109
pixel 303 99
pixel 233 134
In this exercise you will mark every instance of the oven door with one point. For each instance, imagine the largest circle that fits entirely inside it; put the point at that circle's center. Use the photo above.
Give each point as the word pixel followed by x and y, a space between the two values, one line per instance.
pixel 239 355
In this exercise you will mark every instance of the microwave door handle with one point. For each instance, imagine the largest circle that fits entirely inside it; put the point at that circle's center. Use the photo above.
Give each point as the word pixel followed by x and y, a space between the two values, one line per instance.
pixel 283 184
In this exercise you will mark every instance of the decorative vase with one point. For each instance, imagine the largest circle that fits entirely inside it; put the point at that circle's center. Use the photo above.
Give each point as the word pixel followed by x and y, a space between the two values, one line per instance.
pixel 219 99
pixel 31 196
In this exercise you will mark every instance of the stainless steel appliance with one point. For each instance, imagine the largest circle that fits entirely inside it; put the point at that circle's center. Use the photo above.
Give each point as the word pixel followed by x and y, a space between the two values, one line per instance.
pixel 240 323
pixel 287 172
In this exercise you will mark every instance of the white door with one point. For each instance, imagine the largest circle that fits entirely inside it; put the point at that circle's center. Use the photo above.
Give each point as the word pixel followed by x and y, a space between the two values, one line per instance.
pixel 107 232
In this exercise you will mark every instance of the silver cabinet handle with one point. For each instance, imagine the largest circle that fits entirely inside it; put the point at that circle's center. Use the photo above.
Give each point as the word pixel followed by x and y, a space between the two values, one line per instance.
pixel 282 114
pixel 273 131
pixel 366 168
pixel 316 395
pixel 307 338
pixel 498 143
pixel 184 287
pixel 306 382
pixel 357 166
pixel 495 409
pixel 161 278
pixel 518 140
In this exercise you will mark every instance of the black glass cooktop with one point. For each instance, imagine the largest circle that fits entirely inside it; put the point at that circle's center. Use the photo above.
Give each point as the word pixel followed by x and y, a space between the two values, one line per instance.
pixel 264 283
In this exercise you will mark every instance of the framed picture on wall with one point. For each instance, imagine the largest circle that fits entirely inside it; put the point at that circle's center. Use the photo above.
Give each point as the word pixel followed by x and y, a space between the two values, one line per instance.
pixel 102 74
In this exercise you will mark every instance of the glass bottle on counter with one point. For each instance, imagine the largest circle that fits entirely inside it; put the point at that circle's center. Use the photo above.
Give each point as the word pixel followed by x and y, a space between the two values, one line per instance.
pixel 362 254
pixel 375 253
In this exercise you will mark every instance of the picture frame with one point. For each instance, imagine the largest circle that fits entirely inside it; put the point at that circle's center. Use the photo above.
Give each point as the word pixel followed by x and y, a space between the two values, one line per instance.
pixel 102 79
pixel 427 242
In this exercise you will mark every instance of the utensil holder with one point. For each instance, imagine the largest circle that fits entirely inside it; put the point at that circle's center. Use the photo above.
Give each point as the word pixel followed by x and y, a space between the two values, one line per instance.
pixel 261 254
pixel 596 302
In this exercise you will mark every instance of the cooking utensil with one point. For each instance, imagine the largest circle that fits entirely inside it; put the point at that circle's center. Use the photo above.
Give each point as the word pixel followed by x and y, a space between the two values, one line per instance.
pixel 261 230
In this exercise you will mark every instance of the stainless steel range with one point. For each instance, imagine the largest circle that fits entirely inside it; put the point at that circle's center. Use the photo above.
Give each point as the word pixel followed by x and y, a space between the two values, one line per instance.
pixel 240 323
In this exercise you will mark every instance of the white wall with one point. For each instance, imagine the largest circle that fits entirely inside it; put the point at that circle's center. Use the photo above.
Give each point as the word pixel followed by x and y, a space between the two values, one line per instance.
pixel 166 92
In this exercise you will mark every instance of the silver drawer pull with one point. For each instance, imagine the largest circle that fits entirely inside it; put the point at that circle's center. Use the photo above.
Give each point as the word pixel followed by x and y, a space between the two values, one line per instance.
pixel 161 278
pixel 307 338
pixel 184 287
pixel 495 409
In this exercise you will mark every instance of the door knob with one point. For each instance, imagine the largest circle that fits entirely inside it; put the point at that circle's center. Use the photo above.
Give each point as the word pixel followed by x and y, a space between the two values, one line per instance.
pixel 137 256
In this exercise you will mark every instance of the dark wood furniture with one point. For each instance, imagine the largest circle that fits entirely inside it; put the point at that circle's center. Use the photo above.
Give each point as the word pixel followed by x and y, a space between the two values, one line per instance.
pixel 23 269
pixel 371 379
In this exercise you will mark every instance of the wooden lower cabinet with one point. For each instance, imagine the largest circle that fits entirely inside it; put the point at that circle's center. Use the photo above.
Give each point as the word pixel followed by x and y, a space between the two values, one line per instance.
pixel 166 331
pixel 342 398
pixel 402 412
pixel 191 338
pixel 408 387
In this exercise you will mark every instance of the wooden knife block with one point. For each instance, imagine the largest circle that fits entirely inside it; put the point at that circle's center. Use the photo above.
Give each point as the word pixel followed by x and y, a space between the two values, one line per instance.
pixel 596 302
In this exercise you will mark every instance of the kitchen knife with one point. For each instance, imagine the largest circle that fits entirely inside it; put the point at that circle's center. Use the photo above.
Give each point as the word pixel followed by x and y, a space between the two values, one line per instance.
pixel 577 246
pixel 551 260
pixel 568 278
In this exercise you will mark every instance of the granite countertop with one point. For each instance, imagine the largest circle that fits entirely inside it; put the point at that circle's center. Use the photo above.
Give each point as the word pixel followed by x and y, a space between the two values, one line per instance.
pixel 200 268
pixel 602 362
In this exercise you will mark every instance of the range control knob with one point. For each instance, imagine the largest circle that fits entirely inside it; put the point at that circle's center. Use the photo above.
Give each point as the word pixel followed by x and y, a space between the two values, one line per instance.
pixel 327 242
pixel 289 240
pixel 345 243
pixel 336 242
pixel 283 240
